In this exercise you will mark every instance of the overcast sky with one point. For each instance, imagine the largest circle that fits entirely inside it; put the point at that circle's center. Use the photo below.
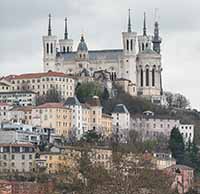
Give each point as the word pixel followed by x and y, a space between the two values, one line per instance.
pixel 23 22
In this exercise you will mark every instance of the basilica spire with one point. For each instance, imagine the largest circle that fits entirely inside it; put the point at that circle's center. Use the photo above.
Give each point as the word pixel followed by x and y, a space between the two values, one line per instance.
pixel 129 20
pixel 144 26
pixel 156 38
pixel 66 31
pixel 49 28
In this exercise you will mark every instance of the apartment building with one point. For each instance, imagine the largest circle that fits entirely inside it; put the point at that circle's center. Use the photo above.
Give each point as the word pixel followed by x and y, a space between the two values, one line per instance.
pixel 20 98
pixel 187 132
pixel 40 83
pixel 17 158
pixel 53 115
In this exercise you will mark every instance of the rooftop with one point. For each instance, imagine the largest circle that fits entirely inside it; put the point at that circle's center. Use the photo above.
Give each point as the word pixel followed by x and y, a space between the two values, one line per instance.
pixel 72 101
pixel 120 108
pixel 35 75
pixel 51 105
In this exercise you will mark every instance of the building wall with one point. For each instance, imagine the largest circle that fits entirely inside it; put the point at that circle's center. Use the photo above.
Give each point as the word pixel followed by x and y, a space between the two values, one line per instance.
pixel 20 98
pixel 59 118
pixel 106 125
pixel 17 158
pixel 40 85
pixel 153 127
pixel 187 132
pixel 121 120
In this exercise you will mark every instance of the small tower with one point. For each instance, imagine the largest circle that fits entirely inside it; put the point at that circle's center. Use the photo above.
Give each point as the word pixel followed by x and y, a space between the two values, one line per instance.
pixel 144 41
pixel 156 38
pixel 128 71
pixel 66 44
pixel 82 54
pixel 49 49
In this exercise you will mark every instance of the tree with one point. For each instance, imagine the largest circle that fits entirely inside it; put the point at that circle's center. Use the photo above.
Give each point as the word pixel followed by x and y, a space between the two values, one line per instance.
pixel 87 90
pixel 91 137
pixel 176 145
pixel 52 95
pixel 180 101
pixel 169 97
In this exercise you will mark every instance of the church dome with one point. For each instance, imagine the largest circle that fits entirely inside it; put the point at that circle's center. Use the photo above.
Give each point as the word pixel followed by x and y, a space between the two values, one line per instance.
pixel 82 45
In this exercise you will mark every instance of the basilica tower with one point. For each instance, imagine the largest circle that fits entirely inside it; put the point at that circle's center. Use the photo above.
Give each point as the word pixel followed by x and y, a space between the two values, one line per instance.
pixel 149 68
pixel 66 44
pixel 128 68
pixel 49 49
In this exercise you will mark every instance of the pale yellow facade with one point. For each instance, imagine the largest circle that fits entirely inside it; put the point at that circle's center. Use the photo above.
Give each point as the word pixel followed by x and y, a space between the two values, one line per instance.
pixel 106 125
pixel 53 115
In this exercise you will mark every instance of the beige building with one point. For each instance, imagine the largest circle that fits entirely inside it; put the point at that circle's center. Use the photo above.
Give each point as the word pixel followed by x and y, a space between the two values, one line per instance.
pixel 59 159
pixel 17 158
pixel 106 121
pixel 95 113
pixel 40 83
pixel 127 86
pixel 53 115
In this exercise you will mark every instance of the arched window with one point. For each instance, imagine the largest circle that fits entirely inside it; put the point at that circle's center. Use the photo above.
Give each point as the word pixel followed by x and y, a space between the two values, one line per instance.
pixel 47 48
pixel 131 45
pixel 153 77
pixel 147 45
pixel 127 45
pixel 143 46
pixel 80 56
pixel 141 77
pixel 64 49
pixel 51 48
pixel 68 49
pixel 147 77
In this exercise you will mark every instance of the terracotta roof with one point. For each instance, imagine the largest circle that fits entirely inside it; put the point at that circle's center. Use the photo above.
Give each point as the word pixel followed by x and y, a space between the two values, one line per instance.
pixel 36 75
pixel 4 104
pixel 51 105
pixel 17 145
pixel 24 108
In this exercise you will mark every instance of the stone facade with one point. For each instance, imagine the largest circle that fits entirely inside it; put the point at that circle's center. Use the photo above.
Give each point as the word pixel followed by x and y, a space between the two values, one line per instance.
pixel 141 66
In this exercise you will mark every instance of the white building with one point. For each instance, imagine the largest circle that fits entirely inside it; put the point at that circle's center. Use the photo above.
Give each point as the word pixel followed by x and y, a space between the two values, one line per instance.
pixel 121 121
pixel 21 98
pixel 40 83
pixel 141 65
pixel 187 132
pixel 77 118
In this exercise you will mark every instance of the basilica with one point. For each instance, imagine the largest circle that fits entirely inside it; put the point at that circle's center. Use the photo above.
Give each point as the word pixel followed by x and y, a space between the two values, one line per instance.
pixel 138 62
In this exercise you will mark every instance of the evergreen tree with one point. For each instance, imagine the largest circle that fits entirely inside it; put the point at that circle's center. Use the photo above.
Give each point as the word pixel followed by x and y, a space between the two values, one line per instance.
pixel 176 145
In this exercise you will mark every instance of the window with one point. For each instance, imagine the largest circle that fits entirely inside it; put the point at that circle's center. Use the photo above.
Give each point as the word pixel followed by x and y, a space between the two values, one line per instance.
pixel 153 77
pixel 141 77
pixel 131 44
pixel 51 48
pixel 127 45
pixel 23 157
pixel 147 77
pixel 47 48
pixel 30 157
pixel 13 157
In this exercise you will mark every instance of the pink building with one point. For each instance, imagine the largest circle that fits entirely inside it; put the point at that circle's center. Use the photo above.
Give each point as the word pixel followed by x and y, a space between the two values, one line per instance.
pixel 183 177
